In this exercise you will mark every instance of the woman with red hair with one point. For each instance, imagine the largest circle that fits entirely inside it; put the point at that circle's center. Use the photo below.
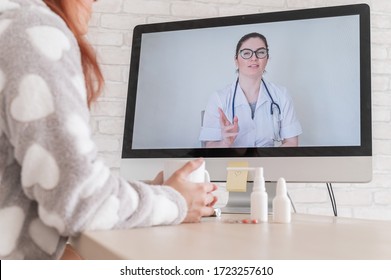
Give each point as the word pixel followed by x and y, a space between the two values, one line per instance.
pixel 52 183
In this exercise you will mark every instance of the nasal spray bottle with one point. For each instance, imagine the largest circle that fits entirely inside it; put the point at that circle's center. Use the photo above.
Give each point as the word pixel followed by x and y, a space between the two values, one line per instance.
pixel 259 209
pixel 259 201
pixel 281 203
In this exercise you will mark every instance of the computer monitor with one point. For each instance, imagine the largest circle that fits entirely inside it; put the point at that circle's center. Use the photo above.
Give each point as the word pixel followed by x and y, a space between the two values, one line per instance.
pixel 320 55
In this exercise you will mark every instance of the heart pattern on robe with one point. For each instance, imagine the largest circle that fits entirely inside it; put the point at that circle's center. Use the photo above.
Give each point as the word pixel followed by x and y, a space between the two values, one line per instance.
pixel 11 222
pixel 34 100
pixel 49 41
pixel 40 167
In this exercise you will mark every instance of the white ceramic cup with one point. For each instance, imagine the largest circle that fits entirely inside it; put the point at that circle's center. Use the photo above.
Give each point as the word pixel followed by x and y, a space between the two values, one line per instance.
pixel 222 195
pixel 200 175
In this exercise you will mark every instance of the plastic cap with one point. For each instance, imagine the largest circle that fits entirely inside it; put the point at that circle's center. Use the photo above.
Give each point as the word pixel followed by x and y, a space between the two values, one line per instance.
pixel 258 173
pixel 281 187
pixel 259 181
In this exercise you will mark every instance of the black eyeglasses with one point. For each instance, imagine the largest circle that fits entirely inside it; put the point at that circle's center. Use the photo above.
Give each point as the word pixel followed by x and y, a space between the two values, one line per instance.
pixel 259 53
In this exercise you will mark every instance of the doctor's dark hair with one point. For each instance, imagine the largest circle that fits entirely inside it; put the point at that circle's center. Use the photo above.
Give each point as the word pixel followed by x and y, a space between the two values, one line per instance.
pixel 248 36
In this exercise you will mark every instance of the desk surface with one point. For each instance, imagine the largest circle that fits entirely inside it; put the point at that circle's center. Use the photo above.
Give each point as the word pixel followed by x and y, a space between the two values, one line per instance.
pixel 307 237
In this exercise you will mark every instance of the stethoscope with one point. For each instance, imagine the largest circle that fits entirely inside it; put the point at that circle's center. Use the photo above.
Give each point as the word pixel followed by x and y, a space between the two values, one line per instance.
pixel 273 107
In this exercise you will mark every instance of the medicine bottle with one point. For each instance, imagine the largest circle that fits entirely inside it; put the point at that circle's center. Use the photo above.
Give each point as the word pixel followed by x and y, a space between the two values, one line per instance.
pixel 259 201
pixel 281 203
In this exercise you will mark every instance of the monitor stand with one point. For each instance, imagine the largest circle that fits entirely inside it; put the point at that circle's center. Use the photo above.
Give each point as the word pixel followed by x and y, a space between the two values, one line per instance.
pixel 239 202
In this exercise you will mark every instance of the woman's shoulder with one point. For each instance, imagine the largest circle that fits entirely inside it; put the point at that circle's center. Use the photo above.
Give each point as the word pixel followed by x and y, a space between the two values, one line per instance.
pixel 30 30
pixel 273 86
pixel 279 92
pixel 225 91
pixel 37 45
pixel 20 15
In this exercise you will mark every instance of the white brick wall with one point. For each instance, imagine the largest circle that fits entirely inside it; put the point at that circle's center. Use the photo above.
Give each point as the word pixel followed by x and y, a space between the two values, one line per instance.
pixel 110 32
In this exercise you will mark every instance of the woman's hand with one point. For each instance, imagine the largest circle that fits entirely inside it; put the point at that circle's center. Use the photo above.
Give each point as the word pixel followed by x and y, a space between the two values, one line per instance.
pixel 290 142
pixel 229 131
pixel 158 180
pixel 198 196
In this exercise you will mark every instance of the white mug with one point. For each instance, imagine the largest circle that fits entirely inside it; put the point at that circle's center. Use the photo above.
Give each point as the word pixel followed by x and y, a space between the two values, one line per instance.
pixel 200 175
pixel 222 195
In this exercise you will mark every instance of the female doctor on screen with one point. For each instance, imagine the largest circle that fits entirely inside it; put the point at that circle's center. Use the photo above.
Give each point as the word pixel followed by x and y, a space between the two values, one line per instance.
pixel 251 112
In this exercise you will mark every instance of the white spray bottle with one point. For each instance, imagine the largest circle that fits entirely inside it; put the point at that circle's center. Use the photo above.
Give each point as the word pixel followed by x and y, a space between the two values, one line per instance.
pixel 281 203
pixel 259 201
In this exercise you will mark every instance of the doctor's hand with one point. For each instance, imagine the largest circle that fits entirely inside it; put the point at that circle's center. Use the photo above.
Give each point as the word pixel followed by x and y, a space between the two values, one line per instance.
pixel 229 131
pixel 198 196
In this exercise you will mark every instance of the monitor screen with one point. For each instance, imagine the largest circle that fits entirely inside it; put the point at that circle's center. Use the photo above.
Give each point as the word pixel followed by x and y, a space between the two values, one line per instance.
pixel 315 89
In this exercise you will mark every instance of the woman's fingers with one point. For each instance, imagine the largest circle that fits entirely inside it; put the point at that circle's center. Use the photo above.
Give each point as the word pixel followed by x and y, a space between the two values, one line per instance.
pixel 207 211
pixel 223 118
pixel 196 215
pixel 229 131
pixel 211 201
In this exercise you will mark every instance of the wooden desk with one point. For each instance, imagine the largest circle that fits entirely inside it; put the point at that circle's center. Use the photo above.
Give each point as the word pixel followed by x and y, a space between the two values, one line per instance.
pixel 307 237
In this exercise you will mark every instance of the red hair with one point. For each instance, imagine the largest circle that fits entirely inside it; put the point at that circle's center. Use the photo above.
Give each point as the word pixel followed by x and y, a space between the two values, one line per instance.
pixel 92 74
